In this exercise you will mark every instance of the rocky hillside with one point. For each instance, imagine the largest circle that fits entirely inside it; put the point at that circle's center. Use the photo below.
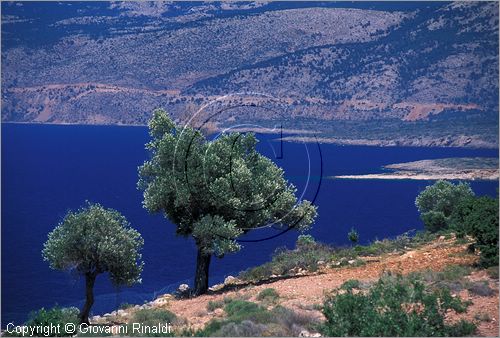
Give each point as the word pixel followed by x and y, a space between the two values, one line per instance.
pixel 444 263
pixel 430 68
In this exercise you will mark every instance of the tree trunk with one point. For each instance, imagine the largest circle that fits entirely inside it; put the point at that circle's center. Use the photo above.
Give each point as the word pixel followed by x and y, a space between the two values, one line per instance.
pixel 201 277
pixel 89 297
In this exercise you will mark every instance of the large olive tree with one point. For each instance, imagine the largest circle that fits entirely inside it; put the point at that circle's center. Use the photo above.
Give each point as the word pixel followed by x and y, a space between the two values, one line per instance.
pixel 215 190
pixel 94 240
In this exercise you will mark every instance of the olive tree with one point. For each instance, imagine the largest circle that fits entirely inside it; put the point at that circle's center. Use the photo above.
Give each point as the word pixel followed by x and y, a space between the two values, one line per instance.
pixel 215 190
pixel 438 201
pixel 94 240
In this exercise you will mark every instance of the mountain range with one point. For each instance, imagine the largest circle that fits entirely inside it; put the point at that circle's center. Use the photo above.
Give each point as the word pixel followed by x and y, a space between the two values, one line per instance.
pixel 382 73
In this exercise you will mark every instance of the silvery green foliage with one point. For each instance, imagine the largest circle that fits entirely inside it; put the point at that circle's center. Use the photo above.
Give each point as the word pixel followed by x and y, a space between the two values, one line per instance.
pixel 216 190
pixel 437 203
pixel 96 240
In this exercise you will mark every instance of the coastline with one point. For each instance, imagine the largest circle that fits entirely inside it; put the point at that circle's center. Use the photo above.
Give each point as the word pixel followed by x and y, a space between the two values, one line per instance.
pixel 421 177
pixel 295 136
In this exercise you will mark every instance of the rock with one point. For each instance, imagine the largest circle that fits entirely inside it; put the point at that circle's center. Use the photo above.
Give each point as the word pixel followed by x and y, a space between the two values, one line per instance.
pixel 352 261
pixel 230 280
pixel 183 288
pixel 219 312
pixel 441 238
pixel 320 263
pixel 216 287
pixel 305 333
pixel 121 312
pixel 95 319
pixel 160 301
pixel 107 315
pixel 183 291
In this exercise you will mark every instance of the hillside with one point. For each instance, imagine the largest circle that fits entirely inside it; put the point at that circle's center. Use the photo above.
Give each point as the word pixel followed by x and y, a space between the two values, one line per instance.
pixel 442 260
pixel 404 74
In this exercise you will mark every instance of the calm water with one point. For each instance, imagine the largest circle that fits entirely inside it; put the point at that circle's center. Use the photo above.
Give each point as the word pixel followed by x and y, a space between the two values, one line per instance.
pixel 47 170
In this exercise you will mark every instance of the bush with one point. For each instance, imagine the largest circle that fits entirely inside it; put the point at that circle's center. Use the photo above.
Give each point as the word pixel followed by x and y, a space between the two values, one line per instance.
pixel 268 294
pixel 481 288
pixel 350 284
pixel 246 328
pixel 239 310
pixel 481 221
pixel 493 272
pixel 124 306
pixel 434 220
pixel 249 319
pixel 394 306
pixel 304 241
pixel 214 304
pixel 353 235
pixel 305 256
pixel 438 202
pixel 151 318
pixel 56 316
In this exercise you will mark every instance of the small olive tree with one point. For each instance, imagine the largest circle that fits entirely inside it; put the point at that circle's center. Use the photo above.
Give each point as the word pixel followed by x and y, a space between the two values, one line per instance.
pixel 438 201
pixel 94 240
pixel 215 191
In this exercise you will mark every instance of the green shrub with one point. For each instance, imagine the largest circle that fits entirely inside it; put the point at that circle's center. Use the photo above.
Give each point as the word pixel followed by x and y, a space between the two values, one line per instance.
pixel 305 256
pixel 481 288
pixel 215 304
pixel 451 278
pixel 124 306
pixel 152 317
pixel 434 220
pixel 482 317
pixel 493 272
pixel 239 310
pixel 304 241
pixel 454 272
pixel 268 294
pixel 438 202
pixel 249 319
pixel 394 306
pixel 246 328
pixel 353 235
pixel 56 316
pixel 350 284
pixel 482 224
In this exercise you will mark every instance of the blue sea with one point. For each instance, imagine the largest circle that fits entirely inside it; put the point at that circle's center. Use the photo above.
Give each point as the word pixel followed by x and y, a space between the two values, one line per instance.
pixel 48 170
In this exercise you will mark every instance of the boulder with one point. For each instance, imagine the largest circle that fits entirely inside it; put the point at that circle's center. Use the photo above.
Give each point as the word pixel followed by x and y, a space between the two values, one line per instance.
pixel 216 287
pixel 183 291
pixel 230 280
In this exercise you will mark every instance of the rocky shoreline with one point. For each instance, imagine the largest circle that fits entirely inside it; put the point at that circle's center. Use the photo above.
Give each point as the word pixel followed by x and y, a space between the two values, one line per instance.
pixel 468 169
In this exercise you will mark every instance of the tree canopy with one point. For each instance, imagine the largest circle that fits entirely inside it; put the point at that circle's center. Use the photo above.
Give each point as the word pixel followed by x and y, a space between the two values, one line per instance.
pixel 438 201
pixel 94 240
pixel 216 190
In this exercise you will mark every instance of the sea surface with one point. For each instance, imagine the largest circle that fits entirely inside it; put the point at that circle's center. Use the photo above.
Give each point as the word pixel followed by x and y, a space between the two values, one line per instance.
pixel 49 169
